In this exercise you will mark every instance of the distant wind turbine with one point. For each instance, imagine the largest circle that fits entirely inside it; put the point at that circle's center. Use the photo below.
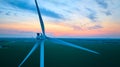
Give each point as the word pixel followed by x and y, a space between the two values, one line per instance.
pixel 41 39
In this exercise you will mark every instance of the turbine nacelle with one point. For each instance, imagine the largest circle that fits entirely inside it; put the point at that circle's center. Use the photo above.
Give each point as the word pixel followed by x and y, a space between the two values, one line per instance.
pixel 40 36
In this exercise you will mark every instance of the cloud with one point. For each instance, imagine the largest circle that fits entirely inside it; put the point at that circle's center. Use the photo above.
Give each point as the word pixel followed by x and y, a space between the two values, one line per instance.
pixel 57 2
pixel 102 3
pixel 95 27
pixel 12 31
pixel 108 13
pixel 51 14
pixel 0 12
pixel 24 5
pixel 15 33
pixel 8 13
pixel 91 14
pixel 20 4
pixel 76 27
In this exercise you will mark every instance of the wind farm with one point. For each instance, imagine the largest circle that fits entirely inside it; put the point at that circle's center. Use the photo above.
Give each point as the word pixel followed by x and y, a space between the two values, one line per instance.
pixel 45 50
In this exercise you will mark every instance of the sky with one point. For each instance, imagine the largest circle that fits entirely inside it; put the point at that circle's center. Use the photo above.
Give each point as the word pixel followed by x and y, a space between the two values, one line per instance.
pixel 62 18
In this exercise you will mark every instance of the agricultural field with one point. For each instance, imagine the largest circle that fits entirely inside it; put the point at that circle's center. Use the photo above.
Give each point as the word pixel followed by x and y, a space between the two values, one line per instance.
pixel 13 51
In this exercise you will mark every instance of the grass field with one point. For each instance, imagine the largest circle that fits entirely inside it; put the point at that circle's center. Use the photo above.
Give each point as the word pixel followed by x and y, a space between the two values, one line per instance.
pixel 57 55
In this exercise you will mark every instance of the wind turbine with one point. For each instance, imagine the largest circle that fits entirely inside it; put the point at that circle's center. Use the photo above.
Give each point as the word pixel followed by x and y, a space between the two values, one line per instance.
pixel 41 39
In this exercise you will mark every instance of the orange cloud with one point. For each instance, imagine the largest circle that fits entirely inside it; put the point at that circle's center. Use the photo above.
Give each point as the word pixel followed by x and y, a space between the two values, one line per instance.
pixel 62 29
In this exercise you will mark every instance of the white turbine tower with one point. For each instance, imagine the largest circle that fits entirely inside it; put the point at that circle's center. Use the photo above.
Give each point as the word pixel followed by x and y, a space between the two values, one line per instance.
pixel 41 39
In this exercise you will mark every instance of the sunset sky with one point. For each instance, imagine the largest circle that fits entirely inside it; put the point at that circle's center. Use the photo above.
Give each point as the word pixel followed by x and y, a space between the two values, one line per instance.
pixel 62 18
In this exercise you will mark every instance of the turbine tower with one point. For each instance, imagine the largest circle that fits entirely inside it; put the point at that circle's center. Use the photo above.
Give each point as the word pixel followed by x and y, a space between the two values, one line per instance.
pixel 41 39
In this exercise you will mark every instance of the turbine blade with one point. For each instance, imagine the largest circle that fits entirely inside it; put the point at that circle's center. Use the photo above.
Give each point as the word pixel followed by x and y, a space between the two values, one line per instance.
pixel 70 44
pixel 42 54
pixel 40 18
pixel 28 55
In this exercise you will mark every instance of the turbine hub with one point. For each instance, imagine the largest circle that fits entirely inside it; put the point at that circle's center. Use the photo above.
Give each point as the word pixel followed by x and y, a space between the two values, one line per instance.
pixel 40 36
